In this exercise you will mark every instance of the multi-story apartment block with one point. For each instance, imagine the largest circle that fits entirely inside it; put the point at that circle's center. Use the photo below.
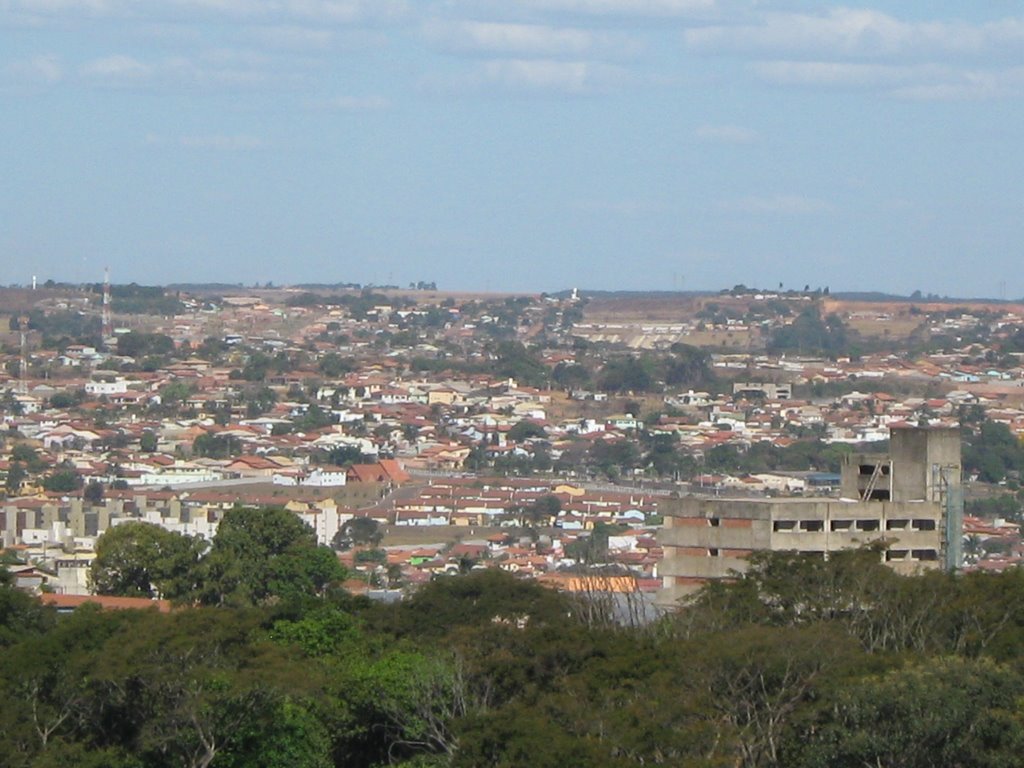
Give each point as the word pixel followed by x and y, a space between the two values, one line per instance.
pixel 910 500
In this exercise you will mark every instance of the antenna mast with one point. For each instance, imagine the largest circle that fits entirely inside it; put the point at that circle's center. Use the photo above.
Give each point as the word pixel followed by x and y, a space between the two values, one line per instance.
pixel 108 325
pixel 23 363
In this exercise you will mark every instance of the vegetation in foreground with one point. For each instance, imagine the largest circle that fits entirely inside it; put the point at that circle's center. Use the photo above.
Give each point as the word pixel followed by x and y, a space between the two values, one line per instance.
pixel 802 663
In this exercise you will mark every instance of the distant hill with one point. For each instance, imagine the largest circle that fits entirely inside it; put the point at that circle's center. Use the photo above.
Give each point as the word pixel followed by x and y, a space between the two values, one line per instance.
pixel 864 296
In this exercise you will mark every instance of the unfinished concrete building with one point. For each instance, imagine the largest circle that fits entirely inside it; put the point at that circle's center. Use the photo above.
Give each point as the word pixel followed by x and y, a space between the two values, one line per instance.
pixel 910 499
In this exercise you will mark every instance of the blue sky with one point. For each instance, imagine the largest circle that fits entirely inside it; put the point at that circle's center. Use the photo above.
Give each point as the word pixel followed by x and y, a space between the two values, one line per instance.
pixel 515 144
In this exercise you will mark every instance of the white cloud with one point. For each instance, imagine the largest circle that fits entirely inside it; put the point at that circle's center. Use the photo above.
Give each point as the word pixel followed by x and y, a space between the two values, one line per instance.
pixel 331 11
pixel 627 208
pixel 48 7
pixel 221 143
pixel 357 103
pixel 726 134
pixel 924 82
pixel 518 39
pixel 292 37
pixel 858 32
pixel 215 142
pixel 116 69
pixel 968 85
pixel 39 69
pixel 837 73
pixel 622 7
pixel 547 75
pixel 346 11
pixel 216 68
pixel 777 204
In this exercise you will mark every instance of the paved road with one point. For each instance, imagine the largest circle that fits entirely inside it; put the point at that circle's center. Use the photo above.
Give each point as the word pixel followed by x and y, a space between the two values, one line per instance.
pixel 662 489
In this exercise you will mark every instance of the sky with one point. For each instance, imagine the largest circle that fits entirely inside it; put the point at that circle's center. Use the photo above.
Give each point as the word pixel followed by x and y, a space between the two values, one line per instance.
pixel 515 145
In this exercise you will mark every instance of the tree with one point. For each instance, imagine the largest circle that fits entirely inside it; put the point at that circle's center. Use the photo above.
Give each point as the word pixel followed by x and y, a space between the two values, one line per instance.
pixel 148 442
pixel 62 481
pixel 663 457
pixel 265 553
pixel 688 366
pixel 542 511
pixel 421 699
pixel 346 455
pixel 93 492
pixel 755 680
pixel 136 344
pixel 212 446
pixel 358 532
pixel 947 711
pixel 26 454
pixel 16 475
pixel 993 451
pixel 480 597
pixel 45 679
pixel 191 691
pixel 568 375
pixel 257 367
pixel 334 366
pixel 627 374
pixel 137 559
pixel 525 429
pixel 174 393
pixel 314 418
pixel 590 549
pixel 22 617
pixel 612 456
pixel 809 333
pixel 65 400
pixel 516 361
pixel 259 401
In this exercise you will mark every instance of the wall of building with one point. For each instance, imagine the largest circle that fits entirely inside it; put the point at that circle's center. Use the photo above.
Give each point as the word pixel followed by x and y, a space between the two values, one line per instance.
pixel 711 538
pixel 916 455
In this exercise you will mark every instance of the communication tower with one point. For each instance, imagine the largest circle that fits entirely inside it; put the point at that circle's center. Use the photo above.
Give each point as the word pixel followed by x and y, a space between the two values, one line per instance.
pixel 108 325
pixel 23 362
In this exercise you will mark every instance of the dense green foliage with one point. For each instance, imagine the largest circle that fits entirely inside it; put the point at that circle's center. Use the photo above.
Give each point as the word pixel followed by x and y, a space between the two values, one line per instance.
pixel 1006 506
pixel 257 556
pixel 62 328
pixel 136 299
pixel 767 457
pixel 809 333
pixel 993 452
pixel 138 559
pixel 805 663
pixel 137 344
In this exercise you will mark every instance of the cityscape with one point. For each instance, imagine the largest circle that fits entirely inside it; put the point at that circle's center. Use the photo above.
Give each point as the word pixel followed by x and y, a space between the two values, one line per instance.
pixel 626 452
pixel 511 384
